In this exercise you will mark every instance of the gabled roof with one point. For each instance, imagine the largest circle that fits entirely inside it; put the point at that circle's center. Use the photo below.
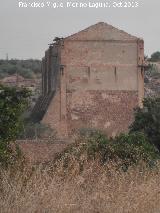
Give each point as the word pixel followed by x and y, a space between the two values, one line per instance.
pixel 101 31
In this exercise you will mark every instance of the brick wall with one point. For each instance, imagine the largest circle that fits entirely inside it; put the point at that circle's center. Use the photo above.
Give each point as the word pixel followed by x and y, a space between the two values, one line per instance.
pixel 111 111
pixel 100 81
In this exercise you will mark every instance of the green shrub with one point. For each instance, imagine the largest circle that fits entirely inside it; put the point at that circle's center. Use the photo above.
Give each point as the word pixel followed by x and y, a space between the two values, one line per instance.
pixel 12 104
pixel 93 135
pixel 96 142
pixel 125 150
pixel 132 148
pixel 147 120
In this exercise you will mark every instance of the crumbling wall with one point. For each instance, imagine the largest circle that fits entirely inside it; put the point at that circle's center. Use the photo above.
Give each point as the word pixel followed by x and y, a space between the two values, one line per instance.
pixel 111 111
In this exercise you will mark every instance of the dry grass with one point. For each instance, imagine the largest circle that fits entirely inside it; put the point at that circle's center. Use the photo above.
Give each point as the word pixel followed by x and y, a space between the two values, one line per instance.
pixel 95 190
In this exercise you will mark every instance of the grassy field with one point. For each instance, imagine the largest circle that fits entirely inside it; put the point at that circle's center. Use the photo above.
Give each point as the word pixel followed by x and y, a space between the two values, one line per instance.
pixel 78 181
pixel 96 189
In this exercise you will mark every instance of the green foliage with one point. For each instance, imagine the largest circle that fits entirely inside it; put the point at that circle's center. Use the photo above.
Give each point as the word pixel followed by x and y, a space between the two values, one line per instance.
pixel 131 148
pixel 155 57
pixel 124 150
pixel 152 71
pixel 12 104
pixel 26 68
pixel 147 120
pixel 91 133
pixel 26 73
pixel 96 141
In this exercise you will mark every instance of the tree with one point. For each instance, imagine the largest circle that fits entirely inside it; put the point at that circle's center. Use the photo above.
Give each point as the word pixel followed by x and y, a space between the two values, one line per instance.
pixel 26 68
pixel 147 120
pixel 13 102
pixel 155 57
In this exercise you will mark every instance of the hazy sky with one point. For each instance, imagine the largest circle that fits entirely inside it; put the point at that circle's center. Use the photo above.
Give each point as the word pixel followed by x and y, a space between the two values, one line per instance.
pixel 26 32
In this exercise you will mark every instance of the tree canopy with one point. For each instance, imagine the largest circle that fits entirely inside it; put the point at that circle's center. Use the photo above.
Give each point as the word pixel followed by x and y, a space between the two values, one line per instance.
pixel 13 102
pixel 26 68
pixel 155 57
pixel 147 120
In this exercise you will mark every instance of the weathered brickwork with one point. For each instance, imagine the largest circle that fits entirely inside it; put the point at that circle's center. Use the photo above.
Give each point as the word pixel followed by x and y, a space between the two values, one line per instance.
pixel 97 78
pixel 111 111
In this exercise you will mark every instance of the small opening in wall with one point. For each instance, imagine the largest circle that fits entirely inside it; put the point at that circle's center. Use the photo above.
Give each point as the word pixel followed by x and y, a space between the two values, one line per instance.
pixel 115 73
pixel 89 72
pixel 62 70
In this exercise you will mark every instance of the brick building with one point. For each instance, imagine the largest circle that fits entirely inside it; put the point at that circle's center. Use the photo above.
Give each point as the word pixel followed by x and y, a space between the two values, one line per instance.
pixel 93 79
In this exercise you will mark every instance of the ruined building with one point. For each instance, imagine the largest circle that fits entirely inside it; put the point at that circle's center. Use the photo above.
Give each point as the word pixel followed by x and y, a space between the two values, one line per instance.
pixel 92 79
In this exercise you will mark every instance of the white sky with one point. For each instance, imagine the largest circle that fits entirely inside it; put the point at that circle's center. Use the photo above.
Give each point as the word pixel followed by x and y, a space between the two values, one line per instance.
pixel 26 32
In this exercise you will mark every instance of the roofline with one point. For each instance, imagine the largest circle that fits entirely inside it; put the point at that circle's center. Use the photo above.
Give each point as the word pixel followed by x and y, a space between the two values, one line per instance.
pixel 109 40
pixel 102 23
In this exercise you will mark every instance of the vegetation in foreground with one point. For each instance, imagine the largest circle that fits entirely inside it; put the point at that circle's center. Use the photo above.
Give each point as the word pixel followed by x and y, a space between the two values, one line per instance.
pixel 92 175
pixel 126 150
pixel 147 120
pixel 96 189
pixel 95 174
pixel 13 102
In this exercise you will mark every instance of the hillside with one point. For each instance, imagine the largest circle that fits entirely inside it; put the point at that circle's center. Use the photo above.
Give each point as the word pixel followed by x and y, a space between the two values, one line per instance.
pixel 22 73
pixel 26 68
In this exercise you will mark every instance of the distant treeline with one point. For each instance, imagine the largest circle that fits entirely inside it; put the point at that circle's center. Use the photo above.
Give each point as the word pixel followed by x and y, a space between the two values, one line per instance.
pixel 155 57
pixel 27 68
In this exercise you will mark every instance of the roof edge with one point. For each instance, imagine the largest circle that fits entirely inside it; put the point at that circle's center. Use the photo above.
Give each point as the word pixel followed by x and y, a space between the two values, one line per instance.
pixel 72 36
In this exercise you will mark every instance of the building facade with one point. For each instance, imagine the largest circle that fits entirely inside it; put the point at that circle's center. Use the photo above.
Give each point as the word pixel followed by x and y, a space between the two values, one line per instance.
pixel 92 79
